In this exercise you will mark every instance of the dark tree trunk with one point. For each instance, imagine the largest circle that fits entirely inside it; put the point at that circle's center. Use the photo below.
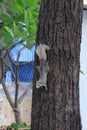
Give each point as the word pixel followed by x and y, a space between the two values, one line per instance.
pixel 59 27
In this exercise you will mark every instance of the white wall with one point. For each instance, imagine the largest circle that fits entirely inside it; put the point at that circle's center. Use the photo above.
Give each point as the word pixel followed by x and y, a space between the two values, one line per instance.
pixel 83 78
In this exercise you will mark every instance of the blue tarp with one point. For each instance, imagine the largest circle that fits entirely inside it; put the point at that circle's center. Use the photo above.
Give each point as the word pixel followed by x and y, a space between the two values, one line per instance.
pixel 25 72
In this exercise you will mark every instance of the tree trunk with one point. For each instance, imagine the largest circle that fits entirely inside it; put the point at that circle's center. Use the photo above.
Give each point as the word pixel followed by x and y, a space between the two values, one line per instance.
pixel 59 27
pixel 17 115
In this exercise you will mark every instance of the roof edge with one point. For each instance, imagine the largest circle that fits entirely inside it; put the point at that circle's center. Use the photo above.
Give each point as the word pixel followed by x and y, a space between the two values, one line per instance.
pixel 85 6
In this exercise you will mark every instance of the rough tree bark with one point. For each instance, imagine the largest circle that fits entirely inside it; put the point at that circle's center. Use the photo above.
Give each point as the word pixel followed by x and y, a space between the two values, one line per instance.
pixel 59 27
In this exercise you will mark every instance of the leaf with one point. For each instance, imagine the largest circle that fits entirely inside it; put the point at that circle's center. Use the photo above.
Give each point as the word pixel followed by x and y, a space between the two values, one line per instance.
pixel 30 15
pixel 21 3
pixel 26 18
pixel 28 45
pixel 32 29
pixel 15 29
pixel 35 14
pixel 7 39
pixel 20 20
pixel 19 9
pixel 81 71
pixel 31 40
pixel 6 18
pixel 14 6
pixel 33 4
pixel 9 31
pixel 23 35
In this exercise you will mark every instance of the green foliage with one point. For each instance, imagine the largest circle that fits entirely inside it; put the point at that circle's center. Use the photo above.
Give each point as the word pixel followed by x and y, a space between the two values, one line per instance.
pixel 81 71
pixel 20 18
pixel 18 126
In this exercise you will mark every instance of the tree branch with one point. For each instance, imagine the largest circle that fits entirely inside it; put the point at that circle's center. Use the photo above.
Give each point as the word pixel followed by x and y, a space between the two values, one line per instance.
pixel 7 94
pixel 17 87
pixel 9 68
pixel 22 96
pixel 12 61
pixel 19 53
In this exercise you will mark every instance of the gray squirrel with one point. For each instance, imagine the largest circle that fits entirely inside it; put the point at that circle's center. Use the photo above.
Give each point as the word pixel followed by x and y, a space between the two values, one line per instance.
pixel 41 52
pixel 43 69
